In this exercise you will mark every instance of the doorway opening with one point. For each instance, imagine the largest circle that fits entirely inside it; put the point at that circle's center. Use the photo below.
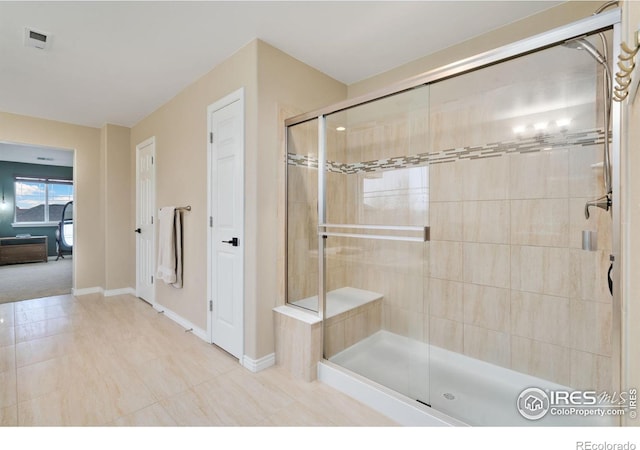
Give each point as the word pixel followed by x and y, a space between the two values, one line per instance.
pixel 36 221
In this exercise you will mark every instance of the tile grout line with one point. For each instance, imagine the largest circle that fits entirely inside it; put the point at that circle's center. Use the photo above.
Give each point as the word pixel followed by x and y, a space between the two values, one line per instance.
pixel 15 365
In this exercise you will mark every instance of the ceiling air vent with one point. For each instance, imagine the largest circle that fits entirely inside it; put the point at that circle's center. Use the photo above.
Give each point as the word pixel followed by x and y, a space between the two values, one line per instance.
pixel 37 39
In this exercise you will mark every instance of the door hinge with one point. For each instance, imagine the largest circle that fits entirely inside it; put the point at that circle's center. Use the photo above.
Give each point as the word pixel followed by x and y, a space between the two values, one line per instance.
pixel 152 160
pixel 210 305
pixel 151 279
pixel 151 220
pixel 211 137
pixel 210 221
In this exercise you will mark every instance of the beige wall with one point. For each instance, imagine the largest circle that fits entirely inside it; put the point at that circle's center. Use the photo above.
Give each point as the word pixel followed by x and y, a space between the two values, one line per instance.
pixel 547 20
pixel 270 79
pixel 102 181
pixel 284 83
pixel 180 130
pixel 118 222
pixel 89 247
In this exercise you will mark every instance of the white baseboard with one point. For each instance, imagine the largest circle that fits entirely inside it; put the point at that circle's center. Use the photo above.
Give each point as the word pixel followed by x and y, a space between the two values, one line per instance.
pixel 105 292
pixel 121 291
pixel 184 323
pixel 87 291
pixel 256 365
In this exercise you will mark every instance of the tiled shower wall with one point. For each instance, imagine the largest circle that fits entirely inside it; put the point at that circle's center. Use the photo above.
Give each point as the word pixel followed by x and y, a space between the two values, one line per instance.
pixel 509 282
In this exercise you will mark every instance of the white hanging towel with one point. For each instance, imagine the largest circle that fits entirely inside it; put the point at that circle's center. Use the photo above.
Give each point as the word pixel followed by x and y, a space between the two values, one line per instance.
pixel 170 247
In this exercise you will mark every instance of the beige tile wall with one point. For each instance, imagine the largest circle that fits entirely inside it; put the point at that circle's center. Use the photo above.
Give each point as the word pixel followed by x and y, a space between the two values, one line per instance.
pixel 349 328
pixel 298 345
pixel 532 299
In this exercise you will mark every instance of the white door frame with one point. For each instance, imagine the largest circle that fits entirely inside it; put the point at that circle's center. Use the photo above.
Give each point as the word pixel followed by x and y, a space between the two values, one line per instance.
pixel 145 143
pixel 74 259
pixel 237 95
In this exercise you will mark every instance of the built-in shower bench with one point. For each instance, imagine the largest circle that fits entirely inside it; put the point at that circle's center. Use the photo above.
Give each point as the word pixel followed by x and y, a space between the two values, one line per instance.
pixel 340 301
pixel 351 315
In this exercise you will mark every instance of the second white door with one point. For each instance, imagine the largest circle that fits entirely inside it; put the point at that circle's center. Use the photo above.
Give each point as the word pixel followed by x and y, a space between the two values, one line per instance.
pixel 226 221
pixel 145 210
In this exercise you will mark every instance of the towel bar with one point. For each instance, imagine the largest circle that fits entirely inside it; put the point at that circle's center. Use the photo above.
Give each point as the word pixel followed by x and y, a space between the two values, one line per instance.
pixel 183 208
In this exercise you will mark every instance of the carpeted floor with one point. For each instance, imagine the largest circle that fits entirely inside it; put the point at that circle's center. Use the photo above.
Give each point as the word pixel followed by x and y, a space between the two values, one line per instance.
pixel 35 280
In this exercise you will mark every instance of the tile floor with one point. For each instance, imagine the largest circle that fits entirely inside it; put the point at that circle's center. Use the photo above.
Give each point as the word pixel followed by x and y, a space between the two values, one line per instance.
pixel 95 361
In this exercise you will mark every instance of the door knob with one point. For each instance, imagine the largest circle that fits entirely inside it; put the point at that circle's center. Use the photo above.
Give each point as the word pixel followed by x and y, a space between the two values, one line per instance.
pixel 233 241
pixel 138 230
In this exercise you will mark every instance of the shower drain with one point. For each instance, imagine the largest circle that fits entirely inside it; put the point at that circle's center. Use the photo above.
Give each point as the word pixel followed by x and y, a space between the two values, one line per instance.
pixel 449 396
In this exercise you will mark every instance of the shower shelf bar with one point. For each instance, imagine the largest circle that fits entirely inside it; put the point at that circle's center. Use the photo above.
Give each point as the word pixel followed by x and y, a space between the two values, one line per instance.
pixel 423 238
pixel 374 236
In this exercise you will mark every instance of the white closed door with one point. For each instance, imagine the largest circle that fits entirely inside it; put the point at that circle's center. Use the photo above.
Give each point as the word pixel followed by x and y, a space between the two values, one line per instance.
pixel 226 222
pixel 145 210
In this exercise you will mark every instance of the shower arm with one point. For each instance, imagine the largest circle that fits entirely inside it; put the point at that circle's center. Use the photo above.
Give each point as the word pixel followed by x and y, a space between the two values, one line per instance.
pixel 581 43
pixel 608 81
pixel 605 201
pixel 608 93
pixel 605 6
pixel 607 124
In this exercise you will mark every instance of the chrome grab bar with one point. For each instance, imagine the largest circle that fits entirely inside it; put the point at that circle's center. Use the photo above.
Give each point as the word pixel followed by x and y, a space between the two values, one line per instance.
pixel 425 234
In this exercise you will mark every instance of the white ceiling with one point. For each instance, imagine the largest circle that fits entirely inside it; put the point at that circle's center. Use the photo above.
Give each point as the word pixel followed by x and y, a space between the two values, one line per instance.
pixel 33 154
pixel 116 62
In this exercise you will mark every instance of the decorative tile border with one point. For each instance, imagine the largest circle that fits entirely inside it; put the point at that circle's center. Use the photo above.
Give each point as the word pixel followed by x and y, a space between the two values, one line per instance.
pixel 293 159
pixel 526 145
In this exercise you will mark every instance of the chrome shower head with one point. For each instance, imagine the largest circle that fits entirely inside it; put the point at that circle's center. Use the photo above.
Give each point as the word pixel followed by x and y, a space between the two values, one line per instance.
pixel 582 44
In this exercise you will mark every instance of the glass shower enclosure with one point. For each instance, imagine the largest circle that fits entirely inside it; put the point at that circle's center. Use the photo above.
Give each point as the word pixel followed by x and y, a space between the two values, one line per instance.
pixel 438 230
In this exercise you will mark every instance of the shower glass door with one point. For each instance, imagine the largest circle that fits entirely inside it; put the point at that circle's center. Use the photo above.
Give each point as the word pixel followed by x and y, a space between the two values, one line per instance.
pixel 375 235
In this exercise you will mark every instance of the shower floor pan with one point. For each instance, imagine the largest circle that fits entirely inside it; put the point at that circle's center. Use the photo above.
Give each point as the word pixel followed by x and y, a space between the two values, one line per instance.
pixel 470 390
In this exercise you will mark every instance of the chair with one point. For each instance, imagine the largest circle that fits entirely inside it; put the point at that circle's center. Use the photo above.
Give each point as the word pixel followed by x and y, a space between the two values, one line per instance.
pixel 64 232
